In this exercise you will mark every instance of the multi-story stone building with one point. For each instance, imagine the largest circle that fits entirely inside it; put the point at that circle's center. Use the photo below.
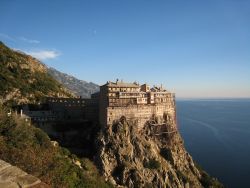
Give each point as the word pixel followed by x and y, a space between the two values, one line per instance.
pixel 138 103
pixel 135 102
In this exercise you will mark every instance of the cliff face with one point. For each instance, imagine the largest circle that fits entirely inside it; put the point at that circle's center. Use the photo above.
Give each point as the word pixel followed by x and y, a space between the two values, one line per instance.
pixel 148 158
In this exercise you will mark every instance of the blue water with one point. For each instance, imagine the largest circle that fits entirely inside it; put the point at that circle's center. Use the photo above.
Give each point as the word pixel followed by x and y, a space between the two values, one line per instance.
pixel 217 135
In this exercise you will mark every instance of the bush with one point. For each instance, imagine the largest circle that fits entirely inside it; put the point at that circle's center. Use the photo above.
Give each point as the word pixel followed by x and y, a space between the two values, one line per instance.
pixel 152 164
pixel 206 180
pixel 209 182
pixel 182 176
pixel 166 154
pixel 42 138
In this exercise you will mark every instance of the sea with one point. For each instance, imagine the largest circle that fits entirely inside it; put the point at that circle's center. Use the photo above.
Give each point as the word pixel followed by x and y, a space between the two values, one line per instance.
pixel 216 133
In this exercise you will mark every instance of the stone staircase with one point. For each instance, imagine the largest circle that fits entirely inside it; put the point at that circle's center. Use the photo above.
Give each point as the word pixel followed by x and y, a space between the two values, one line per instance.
pixel 13 177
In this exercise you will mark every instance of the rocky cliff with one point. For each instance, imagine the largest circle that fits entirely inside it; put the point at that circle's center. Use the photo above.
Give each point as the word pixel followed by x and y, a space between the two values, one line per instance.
pixel 146 158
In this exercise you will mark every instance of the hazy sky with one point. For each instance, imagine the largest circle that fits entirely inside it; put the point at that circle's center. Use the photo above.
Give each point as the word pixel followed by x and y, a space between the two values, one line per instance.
pixel 194 48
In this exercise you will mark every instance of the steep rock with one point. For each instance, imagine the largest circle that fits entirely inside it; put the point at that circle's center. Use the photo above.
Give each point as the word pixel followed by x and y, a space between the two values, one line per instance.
pixel 132 158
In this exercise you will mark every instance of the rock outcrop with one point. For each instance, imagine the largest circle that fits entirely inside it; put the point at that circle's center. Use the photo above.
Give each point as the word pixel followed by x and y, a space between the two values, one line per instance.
pixel 152 157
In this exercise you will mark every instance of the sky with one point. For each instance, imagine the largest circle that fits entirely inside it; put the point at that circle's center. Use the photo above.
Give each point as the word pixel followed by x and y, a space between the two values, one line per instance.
pixel 195 48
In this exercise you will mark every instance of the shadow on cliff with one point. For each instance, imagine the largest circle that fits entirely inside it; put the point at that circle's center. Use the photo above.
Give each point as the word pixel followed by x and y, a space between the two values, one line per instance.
pixel 77 136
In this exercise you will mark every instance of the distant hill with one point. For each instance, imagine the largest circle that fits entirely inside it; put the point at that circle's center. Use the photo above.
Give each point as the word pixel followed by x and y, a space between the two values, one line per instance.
pixel 78 87
pixel 24 79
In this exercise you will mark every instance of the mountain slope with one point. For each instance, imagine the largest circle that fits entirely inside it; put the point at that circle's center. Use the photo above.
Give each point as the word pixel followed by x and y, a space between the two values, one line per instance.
pixel 29 148
pixel 78 87
pixel 23 79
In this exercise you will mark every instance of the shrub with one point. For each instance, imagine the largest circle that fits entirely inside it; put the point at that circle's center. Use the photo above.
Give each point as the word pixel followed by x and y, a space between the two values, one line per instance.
pixel 42 138
pixel 182 176
pixel 152 164
pixel 206 180
pixel 166 154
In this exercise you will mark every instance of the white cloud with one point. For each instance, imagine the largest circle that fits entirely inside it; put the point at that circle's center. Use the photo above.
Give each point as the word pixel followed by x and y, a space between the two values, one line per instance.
pixel 44 54
pixel 2 35
pixel 29 40
pixel 10 38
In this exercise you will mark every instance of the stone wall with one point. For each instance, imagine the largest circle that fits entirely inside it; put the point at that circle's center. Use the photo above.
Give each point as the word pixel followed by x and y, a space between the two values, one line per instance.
pixel 140 113
pixel 136 103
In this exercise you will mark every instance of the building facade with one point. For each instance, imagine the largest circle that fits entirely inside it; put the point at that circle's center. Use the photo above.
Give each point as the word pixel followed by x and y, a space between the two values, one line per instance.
pixel 139 103
pixel 116 100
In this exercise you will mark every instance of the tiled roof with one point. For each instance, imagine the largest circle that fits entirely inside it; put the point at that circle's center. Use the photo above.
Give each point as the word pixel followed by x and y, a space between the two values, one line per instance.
pixel 158 89
pixel 122 84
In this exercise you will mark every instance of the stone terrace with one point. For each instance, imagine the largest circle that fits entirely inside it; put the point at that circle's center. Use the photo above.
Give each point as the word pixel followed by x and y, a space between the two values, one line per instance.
pixel 13 177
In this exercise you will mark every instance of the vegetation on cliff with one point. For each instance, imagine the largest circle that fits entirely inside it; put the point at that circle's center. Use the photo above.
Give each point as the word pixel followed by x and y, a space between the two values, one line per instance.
pixel 24 79
pixel 30 149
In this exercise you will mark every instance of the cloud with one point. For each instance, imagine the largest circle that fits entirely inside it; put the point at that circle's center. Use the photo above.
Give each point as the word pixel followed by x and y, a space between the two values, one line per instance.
pixel 2 35
pixel 15 39
pixel 44 54
pixel 29 40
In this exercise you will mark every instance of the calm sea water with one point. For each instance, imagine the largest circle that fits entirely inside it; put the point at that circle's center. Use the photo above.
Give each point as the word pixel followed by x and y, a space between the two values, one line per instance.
pixel 217 134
